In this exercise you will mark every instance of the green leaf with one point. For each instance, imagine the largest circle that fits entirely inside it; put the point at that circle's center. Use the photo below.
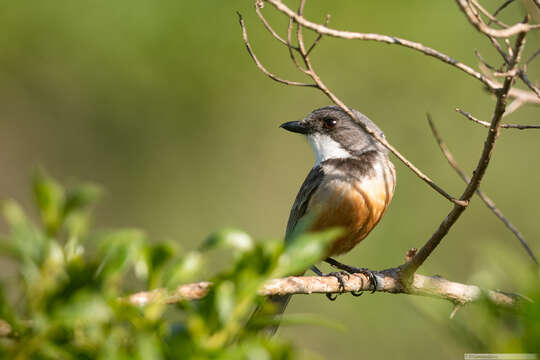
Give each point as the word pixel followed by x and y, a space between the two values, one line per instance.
pixel 225 300
pixel 148 347
pixel 81 197
pixel 119 249
pixel 50 198
pixel 158 255
pixel 13 213
pixel 231 238
pixel 183 270
pixel 84 307
pixel 303 251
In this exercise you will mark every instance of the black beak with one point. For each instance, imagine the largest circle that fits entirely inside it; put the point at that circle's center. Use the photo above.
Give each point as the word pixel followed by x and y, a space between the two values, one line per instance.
pixel 296 127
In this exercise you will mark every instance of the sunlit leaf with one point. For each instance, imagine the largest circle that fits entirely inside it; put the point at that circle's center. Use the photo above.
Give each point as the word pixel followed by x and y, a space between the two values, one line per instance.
pixel 231 238
pixel 84 307
pixel 81 197
pixel 119 249
pixel 13 213
pixel 183 270
pixel 225 301
pixel 303 251
pixel 50 198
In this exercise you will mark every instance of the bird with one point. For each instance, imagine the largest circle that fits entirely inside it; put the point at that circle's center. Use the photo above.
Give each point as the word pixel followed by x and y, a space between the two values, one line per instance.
pixel 350 186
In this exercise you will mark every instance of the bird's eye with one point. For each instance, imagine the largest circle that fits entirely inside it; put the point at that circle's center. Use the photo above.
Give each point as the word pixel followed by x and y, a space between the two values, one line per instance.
pixel 329 123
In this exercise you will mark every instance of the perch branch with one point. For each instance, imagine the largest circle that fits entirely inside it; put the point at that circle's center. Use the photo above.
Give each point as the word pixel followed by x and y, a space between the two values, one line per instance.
pixel 388 281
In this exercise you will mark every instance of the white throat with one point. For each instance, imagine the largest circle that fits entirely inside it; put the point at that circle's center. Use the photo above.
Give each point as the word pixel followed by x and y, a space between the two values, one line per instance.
pixel 326 148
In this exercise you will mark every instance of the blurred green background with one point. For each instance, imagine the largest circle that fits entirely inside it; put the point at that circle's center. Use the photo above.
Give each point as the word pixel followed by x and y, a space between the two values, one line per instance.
pixel 160 103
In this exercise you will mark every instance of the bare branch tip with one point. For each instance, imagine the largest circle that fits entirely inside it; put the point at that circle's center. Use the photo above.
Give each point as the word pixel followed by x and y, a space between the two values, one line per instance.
pixel 455 310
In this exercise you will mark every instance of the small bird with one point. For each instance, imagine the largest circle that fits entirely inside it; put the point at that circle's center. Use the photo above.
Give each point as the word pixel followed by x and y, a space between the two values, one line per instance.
pixel 350 186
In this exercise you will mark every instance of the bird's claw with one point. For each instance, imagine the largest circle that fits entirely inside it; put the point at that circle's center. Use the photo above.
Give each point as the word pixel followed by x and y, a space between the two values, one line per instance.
pixel 339 275
pixel 354 270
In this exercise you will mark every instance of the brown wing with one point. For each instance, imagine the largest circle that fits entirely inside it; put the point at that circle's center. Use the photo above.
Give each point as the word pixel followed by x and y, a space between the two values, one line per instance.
pixel 298 210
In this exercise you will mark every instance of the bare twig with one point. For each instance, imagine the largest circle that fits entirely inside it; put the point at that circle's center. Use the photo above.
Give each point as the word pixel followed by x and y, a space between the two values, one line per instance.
pixel 523 76
pixel 504 126
pixel 527 97
pixel 491 18
pixel 483 28
pixel 513 106
pixel 481 59
pixel 387 280
pixel 533 56
pixel 489 144
pixel 489 203
pixel 500 8
pixel 319 37
pixel 499 48
pixel 267 25
pixel 260 66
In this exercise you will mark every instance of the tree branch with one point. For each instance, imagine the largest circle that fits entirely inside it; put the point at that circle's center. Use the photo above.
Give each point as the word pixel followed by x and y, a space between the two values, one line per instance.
pixel 489 144
pixel 388 281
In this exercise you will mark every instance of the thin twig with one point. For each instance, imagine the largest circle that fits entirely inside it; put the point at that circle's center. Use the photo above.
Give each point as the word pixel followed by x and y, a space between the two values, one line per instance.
pixel 499 48
pixel 258 63
pixel 527 97
pixel 483 28
pixel 500 8
pixel 481 59
pixel 319 36
pixel 268 27
pixel 533 56
pixel 491 18
pixel 513 106
pixel 504 126
pixel 489 203
pixel 291 53
pixel 523 76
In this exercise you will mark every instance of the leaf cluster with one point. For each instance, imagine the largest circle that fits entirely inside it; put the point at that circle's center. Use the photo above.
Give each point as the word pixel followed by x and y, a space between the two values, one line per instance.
pixel 64 294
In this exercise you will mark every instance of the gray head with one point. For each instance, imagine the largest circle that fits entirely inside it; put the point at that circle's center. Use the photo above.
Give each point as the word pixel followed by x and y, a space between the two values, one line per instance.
pixel 333 134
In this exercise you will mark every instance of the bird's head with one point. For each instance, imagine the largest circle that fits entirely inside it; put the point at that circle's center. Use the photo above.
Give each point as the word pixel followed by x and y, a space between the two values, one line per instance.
pixel 332 133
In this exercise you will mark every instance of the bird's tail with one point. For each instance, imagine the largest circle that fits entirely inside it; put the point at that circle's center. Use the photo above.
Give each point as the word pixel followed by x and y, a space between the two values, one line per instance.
pixel 274 306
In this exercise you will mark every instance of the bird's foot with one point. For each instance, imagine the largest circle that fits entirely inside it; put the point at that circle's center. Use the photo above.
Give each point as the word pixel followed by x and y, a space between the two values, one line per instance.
pixel 339 275
pixel 354 270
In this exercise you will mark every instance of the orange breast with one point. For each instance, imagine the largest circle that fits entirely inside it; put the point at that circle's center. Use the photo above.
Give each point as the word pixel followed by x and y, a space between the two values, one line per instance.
pixel 355 205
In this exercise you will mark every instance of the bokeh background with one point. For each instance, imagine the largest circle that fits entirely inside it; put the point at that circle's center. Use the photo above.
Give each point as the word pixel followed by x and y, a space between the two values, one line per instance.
pixel 159 103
